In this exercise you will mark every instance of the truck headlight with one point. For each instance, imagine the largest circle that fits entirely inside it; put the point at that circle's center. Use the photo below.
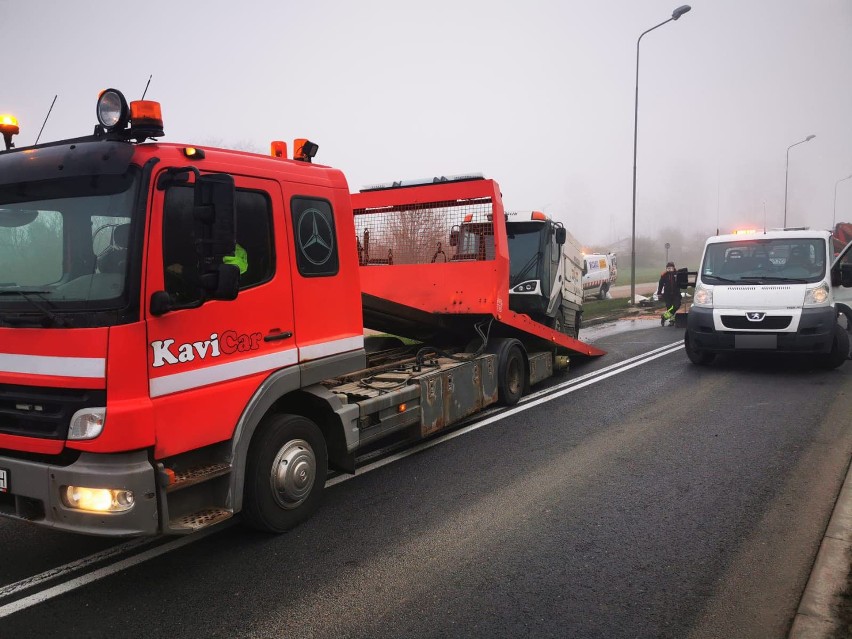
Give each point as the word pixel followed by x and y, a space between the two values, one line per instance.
pixel 703 296
pixel 817 296
pixel 87 423
pixel 97 500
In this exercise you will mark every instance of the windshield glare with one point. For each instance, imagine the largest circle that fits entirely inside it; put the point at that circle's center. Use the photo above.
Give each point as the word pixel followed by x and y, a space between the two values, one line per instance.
pixel 770 260
pixel 68 250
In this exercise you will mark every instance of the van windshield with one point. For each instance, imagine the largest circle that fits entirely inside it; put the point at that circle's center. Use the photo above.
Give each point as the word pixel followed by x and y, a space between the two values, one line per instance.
pixel 755 261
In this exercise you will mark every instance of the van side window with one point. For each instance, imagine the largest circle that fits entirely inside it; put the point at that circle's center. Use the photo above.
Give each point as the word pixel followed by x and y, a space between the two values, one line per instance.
pixel 254 235
pixel 315 237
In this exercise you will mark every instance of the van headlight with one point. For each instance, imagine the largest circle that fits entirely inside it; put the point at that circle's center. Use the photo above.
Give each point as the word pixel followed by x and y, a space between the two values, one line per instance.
pixel 703 296
pixel 817 296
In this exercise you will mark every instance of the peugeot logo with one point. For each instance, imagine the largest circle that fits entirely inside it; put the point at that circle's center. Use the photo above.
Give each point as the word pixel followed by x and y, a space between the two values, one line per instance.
pixel 755 317
pixel 315 237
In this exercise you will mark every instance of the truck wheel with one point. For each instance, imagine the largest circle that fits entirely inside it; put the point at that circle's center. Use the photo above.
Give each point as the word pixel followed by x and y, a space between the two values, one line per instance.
pixel 285 473
pixel 839 349
pixel 511 374
pixel 557 323
pixel 702 358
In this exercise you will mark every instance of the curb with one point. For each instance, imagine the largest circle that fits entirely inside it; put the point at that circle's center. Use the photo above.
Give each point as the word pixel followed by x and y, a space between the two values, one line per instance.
pixel 817 616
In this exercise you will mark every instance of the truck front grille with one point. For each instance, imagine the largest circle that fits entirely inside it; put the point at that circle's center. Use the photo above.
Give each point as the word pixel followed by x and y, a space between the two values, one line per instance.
pixel 768 323
pixel 34 411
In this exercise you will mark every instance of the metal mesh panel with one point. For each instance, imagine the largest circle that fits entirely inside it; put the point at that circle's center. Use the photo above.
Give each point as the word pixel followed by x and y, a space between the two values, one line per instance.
pixel 421 233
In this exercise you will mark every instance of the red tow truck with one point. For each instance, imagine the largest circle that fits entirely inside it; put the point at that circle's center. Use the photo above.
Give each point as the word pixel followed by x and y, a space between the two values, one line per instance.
pixel 182 328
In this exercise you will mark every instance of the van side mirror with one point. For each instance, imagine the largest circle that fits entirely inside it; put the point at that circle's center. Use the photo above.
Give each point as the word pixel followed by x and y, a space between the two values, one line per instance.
pixel 561 235
pixel 215 230
pixel 846 275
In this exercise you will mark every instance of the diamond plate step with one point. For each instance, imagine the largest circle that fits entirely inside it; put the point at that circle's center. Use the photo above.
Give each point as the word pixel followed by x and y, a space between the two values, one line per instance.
pixel 201 519
pixel 198 474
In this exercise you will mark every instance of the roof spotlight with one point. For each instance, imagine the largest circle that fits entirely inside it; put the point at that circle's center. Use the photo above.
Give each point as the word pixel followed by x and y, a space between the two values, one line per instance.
pixel 113 112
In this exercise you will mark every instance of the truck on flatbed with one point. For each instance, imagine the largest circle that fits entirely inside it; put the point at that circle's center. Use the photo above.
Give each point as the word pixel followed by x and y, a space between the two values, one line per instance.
pixel 182 329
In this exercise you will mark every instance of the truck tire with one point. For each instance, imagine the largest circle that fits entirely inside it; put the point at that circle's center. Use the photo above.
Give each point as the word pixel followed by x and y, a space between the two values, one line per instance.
pixel 285 473
pixel 702 358
pixel 839 349
pixel 557 323
pixel 511 373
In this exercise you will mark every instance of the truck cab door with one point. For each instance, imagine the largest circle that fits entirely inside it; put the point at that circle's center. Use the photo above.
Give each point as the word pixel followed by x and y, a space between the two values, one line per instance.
pixel 206 358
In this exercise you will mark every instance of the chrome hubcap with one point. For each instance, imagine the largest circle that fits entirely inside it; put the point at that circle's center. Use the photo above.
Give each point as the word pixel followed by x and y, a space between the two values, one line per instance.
pixel 293 473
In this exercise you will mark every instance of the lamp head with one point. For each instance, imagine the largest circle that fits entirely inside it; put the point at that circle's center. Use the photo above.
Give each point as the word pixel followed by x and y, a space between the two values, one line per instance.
pixel 680 11
pixel 809 138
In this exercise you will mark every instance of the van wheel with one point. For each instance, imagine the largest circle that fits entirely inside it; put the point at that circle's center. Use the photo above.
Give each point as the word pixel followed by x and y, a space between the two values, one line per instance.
pixel 702 358
pixel 285 473
pixel 839 349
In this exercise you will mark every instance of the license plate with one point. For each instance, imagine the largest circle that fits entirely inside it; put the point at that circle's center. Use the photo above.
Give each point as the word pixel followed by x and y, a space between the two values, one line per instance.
pixel 756 341
pixel 4 480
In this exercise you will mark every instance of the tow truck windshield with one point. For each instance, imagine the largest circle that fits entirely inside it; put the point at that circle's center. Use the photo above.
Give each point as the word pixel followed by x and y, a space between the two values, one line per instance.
pixel 64 246
pixel 765 261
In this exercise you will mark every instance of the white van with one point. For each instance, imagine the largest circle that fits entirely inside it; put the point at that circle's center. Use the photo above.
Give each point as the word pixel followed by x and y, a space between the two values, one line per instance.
pixel 778 291
pixel 599 273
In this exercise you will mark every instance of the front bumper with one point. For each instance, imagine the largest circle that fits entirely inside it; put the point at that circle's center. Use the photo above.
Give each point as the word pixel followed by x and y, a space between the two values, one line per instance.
pixel 814 333
pixel 33 493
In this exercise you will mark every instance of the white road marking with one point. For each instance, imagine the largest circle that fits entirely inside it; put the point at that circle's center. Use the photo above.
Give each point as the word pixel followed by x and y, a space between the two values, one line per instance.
pixel 100 573
pixel 572 385
pixel 530 401
pixel 66 569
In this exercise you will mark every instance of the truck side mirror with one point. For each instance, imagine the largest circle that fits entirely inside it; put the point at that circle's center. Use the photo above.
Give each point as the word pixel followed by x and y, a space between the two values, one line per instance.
pixel 223 283
pixel 454 236
pixel 561 235
pixel 215 230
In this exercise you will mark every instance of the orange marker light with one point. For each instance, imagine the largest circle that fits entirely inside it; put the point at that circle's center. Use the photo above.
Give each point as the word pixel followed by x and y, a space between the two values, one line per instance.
pixel 9 123
pixel 146 111
pixel 192 152
pixel 278 149
pixel 9 127
pixel 538 215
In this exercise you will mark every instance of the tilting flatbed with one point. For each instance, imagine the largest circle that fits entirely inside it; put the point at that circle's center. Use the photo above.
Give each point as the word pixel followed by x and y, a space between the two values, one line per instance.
pixel 416 284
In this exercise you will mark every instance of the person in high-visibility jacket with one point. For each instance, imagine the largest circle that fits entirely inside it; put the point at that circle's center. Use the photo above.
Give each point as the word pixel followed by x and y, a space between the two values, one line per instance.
pixel 670 291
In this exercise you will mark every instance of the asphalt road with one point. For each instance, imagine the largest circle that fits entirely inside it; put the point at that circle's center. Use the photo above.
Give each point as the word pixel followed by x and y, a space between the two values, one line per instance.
pixel 644 498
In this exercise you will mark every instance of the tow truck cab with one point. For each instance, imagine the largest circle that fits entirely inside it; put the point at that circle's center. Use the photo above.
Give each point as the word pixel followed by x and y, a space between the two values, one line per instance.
pixel 778 291
pixel 133 343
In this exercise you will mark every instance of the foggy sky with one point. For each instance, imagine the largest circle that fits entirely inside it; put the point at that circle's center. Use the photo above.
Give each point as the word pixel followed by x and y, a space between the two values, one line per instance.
pixel 536 94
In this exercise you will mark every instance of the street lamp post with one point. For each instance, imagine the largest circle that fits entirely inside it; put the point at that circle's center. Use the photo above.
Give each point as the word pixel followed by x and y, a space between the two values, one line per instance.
pixel 677 13
pixel 834 216
pixel 787 171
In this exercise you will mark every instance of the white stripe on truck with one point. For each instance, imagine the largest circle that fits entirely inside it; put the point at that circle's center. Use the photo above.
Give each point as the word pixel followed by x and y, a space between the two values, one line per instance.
pixel 83 367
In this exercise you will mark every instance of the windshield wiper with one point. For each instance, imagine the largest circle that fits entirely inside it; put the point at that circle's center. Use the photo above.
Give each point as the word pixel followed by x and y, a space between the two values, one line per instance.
pixel 530 263
pixel 22 291
pixel 25 293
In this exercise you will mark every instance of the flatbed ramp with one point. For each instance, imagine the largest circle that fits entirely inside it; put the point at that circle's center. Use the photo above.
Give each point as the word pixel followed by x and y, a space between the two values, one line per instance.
pixel 416 284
